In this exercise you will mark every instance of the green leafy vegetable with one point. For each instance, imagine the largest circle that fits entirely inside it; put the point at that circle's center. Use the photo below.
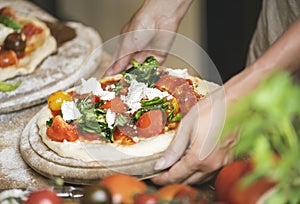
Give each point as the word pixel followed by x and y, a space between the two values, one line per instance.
pixel 269 123
pixel 6 87
pixel 93 119
pixel 10 22
pixel 145 72
pixel 118 87
pixel 157 103
pixel 49 122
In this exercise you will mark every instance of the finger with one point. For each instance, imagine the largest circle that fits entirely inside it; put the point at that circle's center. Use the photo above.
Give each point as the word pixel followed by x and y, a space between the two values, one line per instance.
pixel 176 148
pixel 119 65
pixel 179 172
pixel 159 56
pixel 129 44
pixel 199 178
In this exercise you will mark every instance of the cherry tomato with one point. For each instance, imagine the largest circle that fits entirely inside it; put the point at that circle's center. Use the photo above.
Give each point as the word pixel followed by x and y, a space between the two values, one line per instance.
pixel 56 99
pixel 146 198
pixel 123 187
pixel 151 123
pixel 228 176
pixel 189 195
pixel 228 184
pixel 168 192
pixel 43 196
pixel 251 193
pixel 8 58
pixel 96 194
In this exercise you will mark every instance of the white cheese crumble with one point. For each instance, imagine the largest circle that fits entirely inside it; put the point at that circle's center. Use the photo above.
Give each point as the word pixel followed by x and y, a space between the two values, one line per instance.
pixel 70 111
pixel 182 73
pixel 137 91
pixel 4 32
pixel 110 118
pixel 12 196
pixel 94 86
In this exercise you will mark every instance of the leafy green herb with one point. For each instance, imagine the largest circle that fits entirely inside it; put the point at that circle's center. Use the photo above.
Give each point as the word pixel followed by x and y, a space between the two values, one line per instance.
pixel 10 22
pixel 269 122
pixel 93 119
pixel 118 87
pixel 49 122
pixel 145 72
pixel 6 87
pixel 157 103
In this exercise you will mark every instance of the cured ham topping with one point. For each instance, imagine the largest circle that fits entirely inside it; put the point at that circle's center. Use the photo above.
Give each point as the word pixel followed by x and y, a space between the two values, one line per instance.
pixel 181 89
pixel 151 123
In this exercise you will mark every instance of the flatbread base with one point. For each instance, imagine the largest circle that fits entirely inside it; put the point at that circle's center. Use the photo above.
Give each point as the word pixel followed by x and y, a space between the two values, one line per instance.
pixel 48 163
pixel 34 59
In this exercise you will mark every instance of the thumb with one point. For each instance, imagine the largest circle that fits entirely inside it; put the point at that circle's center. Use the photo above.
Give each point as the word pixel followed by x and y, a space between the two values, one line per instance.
pixel 175 150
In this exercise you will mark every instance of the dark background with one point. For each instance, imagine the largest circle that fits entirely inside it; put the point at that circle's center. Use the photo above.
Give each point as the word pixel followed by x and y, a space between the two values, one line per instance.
pixel 230 25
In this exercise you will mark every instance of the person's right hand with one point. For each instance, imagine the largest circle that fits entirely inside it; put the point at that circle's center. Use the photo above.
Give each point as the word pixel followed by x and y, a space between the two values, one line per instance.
pixel 150 32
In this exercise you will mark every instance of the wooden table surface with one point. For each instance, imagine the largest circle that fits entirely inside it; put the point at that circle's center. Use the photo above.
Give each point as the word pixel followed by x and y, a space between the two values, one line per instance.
pixel 14 172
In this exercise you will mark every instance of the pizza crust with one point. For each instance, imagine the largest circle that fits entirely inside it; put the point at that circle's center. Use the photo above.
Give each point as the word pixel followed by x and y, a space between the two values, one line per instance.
pixel 31 61
pixel 95 151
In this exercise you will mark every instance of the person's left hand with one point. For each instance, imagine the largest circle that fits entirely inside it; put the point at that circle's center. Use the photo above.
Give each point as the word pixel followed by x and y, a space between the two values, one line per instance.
pixel 197 140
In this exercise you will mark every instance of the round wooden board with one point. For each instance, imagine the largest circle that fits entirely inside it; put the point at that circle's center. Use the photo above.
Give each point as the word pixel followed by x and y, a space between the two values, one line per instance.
pixel 46 162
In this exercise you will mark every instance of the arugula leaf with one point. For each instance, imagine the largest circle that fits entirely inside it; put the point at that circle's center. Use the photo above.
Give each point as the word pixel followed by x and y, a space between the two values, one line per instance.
pixel 268 121
pixel 145 72
pixel 6 87
pixel 157 103
pixel 93 119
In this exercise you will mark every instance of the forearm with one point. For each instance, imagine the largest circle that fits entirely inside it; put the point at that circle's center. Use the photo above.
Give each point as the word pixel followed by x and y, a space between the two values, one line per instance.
pixel 283 54
pixel 167 12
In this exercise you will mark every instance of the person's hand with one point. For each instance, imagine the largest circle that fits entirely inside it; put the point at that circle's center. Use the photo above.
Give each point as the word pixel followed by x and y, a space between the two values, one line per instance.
pixel 195 154
pixel 150 32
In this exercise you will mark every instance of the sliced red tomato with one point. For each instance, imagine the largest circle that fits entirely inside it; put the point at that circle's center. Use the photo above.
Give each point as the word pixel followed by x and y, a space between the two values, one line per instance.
pixel 151 123
pixel 115 105
pixel 60 130
pixel 8 58
pixel 31 29
pixel 43 196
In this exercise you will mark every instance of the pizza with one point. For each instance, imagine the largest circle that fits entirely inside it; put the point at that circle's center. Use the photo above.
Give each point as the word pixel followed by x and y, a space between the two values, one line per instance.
pixel 24 42
pixel 132 114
